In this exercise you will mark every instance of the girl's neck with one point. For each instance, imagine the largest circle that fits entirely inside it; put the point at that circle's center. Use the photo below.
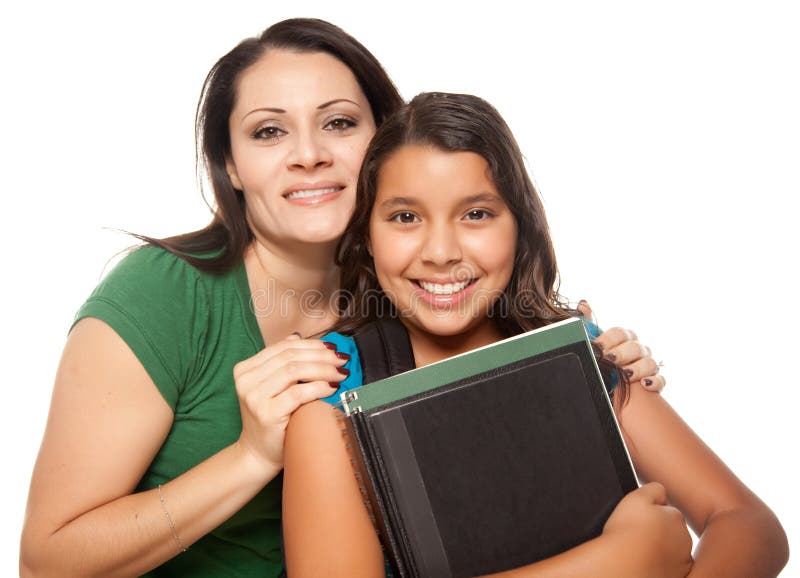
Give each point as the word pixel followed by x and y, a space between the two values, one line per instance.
pixel 429 348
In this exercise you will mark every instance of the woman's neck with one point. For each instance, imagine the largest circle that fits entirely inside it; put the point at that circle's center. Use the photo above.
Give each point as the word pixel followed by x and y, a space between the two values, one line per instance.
pixel 291 288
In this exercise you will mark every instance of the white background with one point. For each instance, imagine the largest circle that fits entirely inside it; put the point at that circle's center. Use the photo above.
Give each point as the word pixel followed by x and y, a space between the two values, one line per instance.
pixel 665 139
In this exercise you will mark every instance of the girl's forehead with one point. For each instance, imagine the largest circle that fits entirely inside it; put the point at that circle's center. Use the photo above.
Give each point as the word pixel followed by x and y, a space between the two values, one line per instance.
pixel 432 175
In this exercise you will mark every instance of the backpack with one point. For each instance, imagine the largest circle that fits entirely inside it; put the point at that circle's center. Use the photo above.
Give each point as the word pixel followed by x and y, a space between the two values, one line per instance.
pixel 384 349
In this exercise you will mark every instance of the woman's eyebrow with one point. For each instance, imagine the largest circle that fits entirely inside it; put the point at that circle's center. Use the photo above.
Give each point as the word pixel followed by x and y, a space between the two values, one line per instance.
pixel 322 106
pixel 265 109
pixel 335 101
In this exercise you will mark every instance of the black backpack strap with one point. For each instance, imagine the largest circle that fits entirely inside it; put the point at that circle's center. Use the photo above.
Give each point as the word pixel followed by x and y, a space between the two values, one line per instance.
pixel 384 349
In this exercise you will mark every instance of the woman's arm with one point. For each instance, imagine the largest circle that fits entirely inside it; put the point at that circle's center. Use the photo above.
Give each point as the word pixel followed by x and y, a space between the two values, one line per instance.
pixel 328 531
pixel 739 534
pixel 107 421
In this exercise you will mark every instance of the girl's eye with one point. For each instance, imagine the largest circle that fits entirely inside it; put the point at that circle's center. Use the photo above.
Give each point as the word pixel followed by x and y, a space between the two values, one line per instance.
pixel 340 124
pixel 268 133
pixel 404 217
pixel 478 215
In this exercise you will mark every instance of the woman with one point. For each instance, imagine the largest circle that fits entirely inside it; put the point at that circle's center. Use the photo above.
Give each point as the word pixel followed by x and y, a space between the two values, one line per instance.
pixel 167 422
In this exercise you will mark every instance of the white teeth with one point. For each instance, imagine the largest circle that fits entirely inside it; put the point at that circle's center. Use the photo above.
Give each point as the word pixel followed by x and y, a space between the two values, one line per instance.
pixel 447 289
pixel 311 193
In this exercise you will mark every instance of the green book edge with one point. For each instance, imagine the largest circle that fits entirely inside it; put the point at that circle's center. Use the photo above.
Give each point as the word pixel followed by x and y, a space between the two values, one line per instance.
pixel 507 351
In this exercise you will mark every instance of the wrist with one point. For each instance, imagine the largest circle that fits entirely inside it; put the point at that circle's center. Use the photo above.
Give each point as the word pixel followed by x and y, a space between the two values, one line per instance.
pixel 255 466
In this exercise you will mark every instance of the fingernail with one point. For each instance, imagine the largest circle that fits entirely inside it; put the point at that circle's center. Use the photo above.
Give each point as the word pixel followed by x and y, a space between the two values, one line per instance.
pixel 335 384
pixel 628 373
pixel 329 345
pixel 343 371
pixel 296 333
pixel 611 356
pixel 342 355
pixel 648 382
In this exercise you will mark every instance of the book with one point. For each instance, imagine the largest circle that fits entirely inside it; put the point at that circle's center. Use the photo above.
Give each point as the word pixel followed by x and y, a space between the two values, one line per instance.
pixel 492 459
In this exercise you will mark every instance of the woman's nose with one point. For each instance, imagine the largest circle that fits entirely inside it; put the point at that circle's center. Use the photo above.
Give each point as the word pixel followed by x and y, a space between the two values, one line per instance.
pixel 309 151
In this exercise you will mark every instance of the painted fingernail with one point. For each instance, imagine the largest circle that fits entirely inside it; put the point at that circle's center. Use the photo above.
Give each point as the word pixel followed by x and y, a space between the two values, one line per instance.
pixel 335 384
pixel 329 345
pixel 341 355
pixel 611 356
pixel 343 371
pixel 628 373
pixel 648 382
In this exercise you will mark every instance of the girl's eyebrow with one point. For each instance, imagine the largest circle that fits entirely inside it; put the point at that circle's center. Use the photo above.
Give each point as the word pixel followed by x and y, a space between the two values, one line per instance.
pixel 411 201
pixel 482 198
pixel 398 202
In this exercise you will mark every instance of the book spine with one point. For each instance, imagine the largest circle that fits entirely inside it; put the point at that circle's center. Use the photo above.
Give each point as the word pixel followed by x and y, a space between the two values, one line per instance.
pixel 361 456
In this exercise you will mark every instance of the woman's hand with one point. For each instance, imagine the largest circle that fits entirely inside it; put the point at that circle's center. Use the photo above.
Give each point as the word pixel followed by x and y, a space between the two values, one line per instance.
pixel 272 384
pixel 623 348
pixel 650 536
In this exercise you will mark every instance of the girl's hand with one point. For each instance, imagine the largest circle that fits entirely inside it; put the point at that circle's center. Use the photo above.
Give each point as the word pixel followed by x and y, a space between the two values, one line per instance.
pixel 272 384
pixel 622 347
pixel 651 537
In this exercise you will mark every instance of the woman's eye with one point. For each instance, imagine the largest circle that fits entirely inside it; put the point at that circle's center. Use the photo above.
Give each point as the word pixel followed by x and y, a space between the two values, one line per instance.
pixel 477 215
pixel 268 133
pixel 405 217
pixel 340 124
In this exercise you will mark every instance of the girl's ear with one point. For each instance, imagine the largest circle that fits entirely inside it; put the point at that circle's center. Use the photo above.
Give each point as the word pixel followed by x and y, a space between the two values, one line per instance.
pixel 230 168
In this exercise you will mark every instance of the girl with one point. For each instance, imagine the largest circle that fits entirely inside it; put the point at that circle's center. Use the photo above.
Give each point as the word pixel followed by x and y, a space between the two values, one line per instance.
pixel 449 232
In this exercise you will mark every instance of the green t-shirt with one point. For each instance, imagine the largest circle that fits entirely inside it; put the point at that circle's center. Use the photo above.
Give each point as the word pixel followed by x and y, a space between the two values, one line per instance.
pixel 189 328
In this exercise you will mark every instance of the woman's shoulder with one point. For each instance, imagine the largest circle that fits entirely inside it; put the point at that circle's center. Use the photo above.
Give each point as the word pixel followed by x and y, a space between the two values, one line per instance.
pixel 153 270
pixel 149 262
pixel 150 282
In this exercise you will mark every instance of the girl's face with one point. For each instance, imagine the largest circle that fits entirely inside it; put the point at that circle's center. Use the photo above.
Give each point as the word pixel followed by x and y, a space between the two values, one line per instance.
pixel 443 241
pixel 299 129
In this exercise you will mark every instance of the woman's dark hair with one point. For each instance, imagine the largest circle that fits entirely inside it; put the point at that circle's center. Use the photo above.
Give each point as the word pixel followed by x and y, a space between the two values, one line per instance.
pixel 220 245
pixel 455 123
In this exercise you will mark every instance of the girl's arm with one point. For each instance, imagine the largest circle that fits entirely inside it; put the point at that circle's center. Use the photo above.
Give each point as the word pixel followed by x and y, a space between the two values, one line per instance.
pixel 328 531
pixel 107 421
pixel 739 534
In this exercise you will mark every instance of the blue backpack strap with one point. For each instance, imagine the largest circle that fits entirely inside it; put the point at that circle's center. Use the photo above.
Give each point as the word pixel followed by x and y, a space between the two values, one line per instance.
pixel 384 349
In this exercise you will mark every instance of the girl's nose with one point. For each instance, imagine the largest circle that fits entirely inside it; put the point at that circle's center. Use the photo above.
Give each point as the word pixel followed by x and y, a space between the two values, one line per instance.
pixel 441 246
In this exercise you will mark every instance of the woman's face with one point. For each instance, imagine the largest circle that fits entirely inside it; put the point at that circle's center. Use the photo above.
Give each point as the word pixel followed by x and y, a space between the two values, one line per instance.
pixel 443 240
pixel 299 129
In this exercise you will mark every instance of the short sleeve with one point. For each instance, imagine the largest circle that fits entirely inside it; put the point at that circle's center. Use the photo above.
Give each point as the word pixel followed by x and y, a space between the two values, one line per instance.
pixel 154 301
pixel 591 329
pixel 345 344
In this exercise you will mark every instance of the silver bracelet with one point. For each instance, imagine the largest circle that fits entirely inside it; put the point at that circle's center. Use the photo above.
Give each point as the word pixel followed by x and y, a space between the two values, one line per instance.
pixel 181 547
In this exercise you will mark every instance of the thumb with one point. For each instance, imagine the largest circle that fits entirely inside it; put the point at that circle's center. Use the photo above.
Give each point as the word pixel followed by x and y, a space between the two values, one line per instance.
pixel 655 493
pixel 585 310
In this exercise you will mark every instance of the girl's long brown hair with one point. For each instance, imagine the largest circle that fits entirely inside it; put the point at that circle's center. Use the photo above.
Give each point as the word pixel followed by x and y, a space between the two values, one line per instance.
pixel 458 122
